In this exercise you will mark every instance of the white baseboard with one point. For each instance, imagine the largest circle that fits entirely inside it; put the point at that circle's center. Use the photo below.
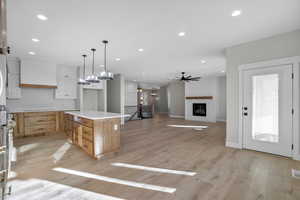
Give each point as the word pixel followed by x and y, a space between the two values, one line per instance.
pixel 176 116
pixel 239 146
pixel 233 145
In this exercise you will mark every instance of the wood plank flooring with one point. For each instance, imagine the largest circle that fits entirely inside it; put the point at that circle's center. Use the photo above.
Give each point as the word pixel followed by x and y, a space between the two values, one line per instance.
pixel 222 173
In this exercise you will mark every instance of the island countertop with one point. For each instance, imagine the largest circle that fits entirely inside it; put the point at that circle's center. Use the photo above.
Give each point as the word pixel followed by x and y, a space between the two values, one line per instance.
pixel 95 115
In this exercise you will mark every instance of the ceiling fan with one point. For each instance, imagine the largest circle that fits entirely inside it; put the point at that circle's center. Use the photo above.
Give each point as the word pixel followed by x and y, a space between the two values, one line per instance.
pixel 187 78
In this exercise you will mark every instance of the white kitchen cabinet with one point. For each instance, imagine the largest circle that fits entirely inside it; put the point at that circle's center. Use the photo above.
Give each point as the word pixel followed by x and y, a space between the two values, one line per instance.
pixel 38 73
pixel 66 82
pixel 13 79
pixel 95 86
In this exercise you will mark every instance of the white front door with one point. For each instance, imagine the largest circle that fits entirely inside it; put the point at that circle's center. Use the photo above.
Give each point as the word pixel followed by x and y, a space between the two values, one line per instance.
pixel 267 109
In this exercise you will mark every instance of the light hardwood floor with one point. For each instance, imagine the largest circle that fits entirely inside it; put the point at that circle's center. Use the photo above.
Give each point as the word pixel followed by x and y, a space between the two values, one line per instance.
pixel 222 173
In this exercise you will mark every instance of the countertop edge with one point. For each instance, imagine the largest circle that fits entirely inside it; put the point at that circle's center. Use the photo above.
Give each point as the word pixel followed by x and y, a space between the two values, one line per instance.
pixel 97 118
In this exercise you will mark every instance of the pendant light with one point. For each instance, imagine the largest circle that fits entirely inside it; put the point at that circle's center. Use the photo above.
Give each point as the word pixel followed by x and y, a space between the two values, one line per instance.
pixel 93 78
pixel 105 75
pixel 82 80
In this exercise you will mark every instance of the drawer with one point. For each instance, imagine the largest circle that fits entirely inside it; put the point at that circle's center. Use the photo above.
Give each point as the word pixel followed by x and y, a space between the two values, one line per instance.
pixel 84 121
pixel 39 129
pixel 68 117
pixel 87 133
pixel 41 120
pixel 88 146
pixel 38 114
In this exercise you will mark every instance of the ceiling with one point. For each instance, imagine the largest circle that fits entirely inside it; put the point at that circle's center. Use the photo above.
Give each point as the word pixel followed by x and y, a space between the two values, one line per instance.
pixel 75 26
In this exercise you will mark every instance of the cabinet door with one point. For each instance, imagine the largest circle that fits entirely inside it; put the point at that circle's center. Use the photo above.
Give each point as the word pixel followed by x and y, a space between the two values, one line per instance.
pixel 95 86
pixel 111 129
pixel 69 129
pixel 13 89
pixel 67 83
pixel 115 123
pixel 77 134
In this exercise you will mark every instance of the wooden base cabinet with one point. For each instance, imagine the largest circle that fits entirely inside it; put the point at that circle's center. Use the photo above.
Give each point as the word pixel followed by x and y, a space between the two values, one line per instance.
pixel 37 123
pixel 95 137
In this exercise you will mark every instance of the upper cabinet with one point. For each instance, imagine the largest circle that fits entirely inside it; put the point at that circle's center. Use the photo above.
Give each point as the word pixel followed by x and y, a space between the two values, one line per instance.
pixel 38 74
pixel 95 86
pixel 66 82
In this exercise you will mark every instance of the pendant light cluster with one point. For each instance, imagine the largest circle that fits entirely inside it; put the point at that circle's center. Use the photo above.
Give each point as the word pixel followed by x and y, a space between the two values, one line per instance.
pixel 105 75
pixel 82 81
pixel 94 78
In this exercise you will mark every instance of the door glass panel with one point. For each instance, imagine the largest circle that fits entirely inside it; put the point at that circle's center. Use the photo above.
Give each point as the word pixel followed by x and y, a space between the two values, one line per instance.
pixel 265 108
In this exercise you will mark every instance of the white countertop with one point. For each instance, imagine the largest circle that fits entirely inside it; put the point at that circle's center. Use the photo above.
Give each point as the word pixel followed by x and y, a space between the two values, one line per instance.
pixel 94 115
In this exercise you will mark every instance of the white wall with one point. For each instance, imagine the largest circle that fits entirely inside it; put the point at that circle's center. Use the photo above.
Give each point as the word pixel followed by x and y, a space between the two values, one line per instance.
pixel 280 46
pixel 114 95
pixel 221 91
pixel 90 97
pixel 208 86
pixel 131 93
pixel 176 103
pixel 162 100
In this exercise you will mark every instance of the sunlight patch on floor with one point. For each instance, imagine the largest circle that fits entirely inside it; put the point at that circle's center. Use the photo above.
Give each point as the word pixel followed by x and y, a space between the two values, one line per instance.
pixel 154 169
pixel 117 181
pixel 27 147
pixel 57 156
pixel 43 190
pixel 188 126
pixel 295 173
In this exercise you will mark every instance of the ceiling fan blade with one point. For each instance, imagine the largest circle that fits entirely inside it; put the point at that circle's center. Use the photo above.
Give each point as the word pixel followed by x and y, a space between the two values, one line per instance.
pixel 195 78
pixel 189 76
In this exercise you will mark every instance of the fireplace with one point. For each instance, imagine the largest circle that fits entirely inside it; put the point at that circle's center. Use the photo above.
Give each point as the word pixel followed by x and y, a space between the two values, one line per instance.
pixel 199 109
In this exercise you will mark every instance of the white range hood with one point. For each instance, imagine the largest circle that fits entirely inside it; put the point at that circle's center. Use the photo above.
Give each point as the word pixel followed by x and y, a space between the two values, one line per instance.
pixel 38 74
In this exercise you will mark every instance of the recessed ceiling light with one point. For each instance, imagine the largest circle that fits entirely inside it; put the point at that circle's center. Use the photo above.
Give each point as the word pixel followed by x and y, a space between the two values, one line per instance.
pixel 203 61
pixel 222 71
pixel 236 13
pixel 102 65
pixel 181 34
pixel 42 17
pixel 31 53
pixel 141 50
pixel 35 40
pixel 118 59
pixel 134 80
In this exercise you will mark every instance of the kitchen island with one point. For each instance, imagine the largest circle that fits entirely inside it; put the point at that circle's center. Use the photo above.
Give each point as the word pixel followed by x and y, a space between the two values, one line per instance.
pixel 97 133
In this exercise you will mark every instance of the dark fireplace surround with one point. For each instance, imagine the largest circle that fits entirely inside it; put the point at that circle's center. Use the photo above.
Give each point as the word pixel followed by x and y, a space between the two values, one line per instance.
pixel 199 109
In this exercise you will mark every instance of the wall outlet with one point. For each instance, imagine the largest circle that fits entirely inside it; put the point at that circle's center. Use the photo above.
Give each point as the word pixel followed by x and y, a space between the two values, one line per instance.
pixel 116 127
